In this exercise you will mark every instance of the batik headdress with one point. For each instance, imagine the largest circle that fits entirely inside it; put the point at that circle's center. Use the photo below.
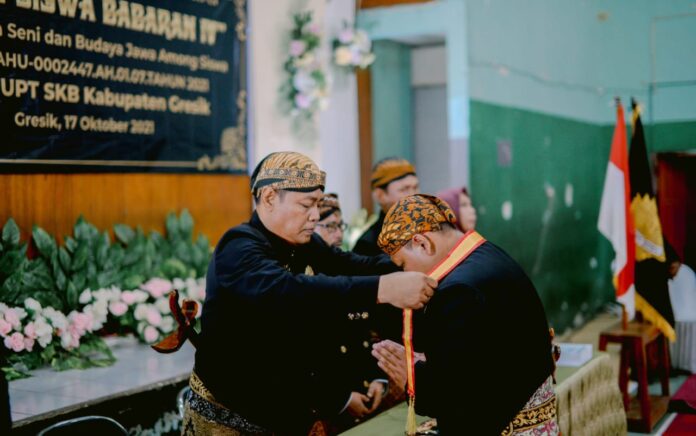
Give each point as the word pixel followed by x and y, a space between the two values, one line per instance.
pixel 328 205
pixel 390 170
pixel 408 217
pixel 411 215
pixel 287 170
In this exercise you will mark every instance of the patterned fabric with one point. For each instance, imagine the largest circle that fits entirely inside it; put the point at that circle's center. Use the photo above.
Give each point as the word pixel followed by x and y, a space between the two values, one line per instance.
pixel 287 170
pixel 538 416
pixel 328 205
pixel 389 170
pixel 204 415
pixel 412 215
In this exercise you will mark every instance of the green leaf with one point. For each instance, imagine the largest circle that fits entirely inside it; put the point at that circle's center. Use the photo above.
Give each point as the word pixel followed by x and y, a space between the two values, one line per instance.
pixel 115 258
pixel 38 276
pixel 186 224
pixel 10 233
pixel 71 244
pixel 106 278
pixel 133 253
pixel 133 281
pixel 44 242
pixel 61 280
pixel 79 279
pixel 72 295
pixel 48 353
pixel 102 249
pixel 172 226
pixel 182 251
pixel 92 275
pixel 82 230
pixel 12 288
pixel 173 268
pixel 12 261
pixel 124 233
pixel 81 257
pixel 64 258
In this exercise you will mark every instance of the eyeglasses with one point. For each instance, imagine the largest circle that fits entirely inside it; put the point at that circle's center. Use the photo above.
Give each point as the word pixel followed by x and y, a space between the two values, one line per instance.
pixel 333 227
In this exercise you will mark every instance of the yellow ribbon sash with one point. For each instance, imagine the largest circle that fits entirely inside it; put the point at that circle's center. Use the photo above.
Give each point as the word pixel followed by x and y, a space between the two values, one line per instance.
pixel 469 242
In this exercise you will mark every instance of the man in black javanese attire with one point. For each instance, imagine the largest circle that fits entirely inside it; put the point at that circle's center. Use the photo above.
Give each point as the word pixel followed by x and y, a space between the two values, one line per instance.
pixel 487 366
pixel 264 359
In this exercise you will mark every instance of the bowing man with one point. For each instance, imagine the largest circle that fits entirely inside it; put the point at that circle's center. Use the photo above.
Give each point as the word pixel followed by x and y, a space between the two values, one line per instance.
pixel 486 367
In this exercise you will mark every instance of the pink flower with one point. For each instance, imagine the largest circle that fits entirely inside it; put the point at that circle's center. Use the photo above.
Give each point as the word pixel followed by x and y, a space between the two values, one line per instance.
pixel 302 101
pixel 12 317
pixel 200 293
pixel 128 297
pixel 157 287
pixel 314 28
pixel 345 36
pixel 118 308
pixel 15 342
pixel 28 343
pixel 153 316
pixel 5 327
pixel 297 47
pixel 69 340
pixel 150 333
pixel 30 331
pixel 80 323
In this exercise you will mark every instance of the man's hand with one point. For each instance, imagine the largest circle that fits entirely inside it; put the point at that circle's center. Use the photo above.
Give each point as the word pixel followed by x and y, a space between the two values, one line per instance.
pixel 375 392
pixel 357 405
pixel 406 289
pixel 391 357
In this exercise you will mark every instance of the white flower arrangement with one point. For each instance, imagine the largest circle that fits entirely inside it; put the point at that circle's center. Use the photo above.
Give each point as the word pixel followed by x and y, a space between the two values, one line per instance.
pixel 306 88
pixel 352 48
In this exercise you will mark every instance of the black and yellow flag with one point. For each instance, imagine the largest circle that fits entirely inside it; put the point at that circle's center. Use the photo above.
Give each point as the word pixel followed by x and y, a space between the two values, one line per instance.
pixel 652 292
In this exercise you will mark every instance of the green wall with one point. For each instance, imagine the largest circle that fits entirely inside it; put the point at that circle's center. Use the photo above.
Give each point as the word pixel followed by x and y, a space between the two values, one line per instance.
pixel 555 243
pixel 391 101
pixel 554 237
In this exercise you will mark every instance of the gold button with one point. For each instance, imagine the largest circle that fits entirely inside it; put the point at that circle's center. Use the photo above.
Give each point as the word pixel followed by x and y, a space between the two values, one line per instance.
pixel 366 384
pixel 365 315
pixel 344 350
pixel 366 344
pixel 351 316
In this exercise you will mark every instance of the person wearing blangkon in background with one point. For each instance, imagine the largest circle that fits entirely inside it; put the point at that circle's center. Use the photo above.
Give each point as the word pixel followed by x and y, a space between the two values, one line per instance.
pixel 392 179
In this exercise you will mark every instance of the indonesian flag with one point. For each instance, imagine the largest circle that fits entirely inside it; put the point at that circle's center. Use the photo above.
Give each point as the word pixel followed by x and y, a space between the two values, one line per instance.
pixel 615 218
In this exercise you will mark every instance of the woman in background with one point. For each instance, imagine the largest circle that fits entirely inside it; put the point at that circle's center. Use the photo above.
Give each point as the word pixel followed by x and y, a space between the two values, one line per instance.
pixel 460 202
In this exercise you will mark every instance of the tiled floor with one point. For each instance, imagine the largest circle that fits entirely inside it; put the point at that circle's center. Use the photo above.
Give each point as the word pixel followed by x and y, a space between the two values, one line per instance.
pixel 137 367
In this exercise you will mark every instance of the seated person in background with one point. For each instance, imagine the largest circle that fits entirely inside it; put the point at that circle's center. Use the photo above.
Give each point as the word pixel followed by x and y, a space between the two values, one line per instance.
pixel 353 344
pixel 330 226
pixel 392 179
pixel 682 294
pixel 486 367
pixel 459 201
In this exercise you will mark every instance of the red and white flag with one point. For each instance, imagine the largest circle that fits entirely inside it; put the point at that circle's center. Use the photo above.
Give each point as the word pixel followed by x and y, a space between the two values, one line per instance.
pixel 615 218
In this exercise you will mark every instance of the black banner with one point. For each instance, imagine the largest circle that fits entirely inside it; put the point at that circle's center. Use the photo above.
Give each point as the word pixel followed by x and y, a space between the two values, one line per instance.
pixel 122 86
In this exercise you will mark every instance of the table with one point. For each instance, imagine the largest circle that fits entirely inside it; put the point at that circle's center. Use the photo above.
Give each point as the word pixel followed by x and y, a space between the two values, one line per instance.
pixel 589 403
pixel 644 410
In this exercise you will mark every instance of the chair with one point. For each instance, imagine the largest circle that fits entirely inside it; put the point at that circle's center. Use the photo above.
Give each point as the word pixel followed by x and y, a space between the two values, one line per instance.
pixel 101 425
pixel 181 398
